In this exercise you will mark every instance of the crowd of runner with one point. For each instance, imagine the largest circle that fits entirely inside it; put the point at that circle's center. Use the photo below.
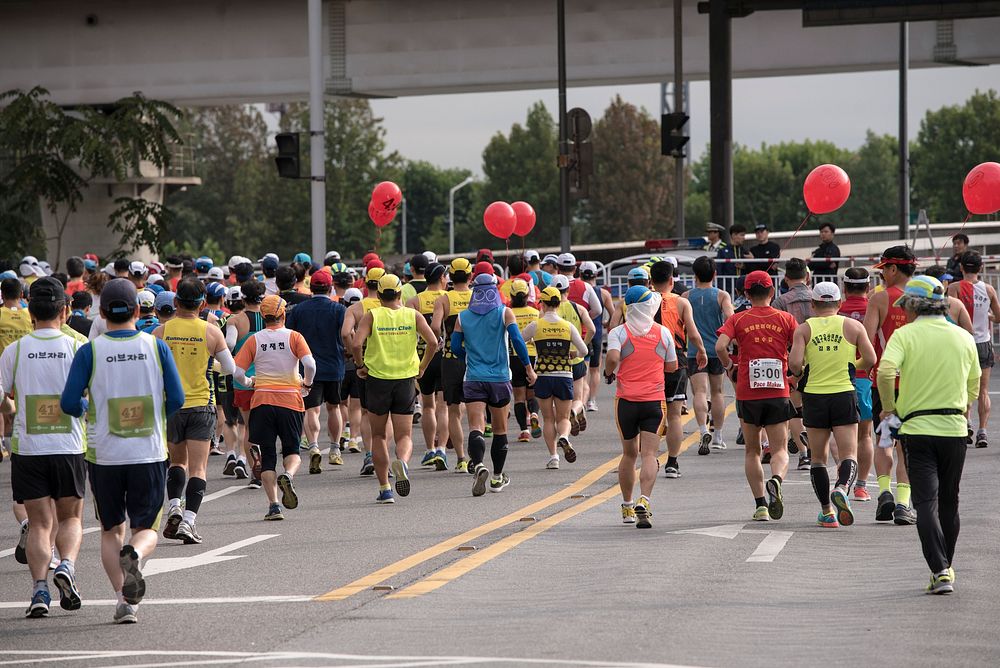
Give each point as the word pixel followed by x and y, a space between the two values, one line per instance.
pixel 132 376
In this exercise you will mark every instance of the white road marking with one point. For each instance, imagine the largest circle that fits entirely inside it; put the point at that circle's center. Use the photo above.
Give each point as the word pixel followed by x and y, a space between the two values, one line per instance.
pixel 729 531
pixel 222 600
pixel 9 551
pixel 769 548
pixel 169 564
pixel 225 491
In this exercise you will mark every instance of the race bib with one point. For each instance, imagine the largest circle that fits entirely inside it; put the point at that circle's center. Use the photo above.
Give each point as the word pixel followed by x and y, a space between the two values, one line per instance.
pixel 766 374
pixel 44 415
pixel 130 417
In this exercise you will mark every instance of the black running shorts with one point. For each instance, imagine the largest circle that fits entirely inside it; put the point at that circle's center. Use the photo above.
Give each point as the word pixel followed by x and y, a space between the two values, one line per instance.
pixel 192 424
pixel 453 380
pixel 37 476
pixel 390 396
pixel 826 411
pixel 430 381
pixel 518 372
pixel 765 412
pixel 269 424
pixel 633 417
pixel 675 385
pixel 323 391
pixel 135 490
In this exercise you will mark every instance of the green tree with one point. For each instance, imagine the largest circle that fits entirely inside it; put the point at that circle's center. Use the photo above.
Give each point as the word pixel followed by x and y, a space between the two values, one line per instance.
pixel 632 191
pixel 426 189
pixel 873 169
pixel 951 141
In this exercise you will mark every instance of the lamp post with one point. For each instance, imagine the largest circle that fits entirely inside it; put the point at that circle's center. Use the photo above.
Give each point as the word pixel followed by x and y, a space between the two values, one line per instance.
pixel 451 213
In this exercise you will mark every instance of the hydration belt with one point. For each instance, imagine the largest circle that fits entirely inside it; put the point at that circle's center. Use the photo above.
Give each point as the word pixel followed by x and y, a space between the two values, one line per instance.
pixel 933 411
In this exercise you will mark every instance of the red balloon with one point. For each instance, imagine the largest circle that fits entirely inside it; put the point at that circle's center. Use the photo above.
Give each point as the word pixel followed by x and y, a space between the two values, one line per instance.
pixel 525 218
pixel 826 189
pixel 500 219
pixel 981 190
pixel 387 196
pixel 379 216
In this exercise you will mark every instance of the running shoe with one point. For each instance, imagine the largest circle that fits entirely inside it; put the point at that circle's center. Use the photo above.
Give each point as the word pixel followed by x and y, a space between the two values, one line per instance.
pixel 488 432
pixel 255 464
pixel 344 443
pixel 845 516
pixel 215 450
pixel 793 447
pixel 969 432
pixel 760 515
pixel 671 471
pixel 274 513
pixel 54 560
pixel 706 444
pixel 804 439
pixel 684 408
pixel 805 461
pixel 981 440
pixel 568 452
pixel 255 483
pixel 462 466
pixel 353 446
pixel 188 532
pixel 368 466
pixel 335 458
pixel 39 605
pixel 416 415
pixel 904 515
pixel 553 463
pixel 591 406
pixel 775 506
pixel 240 470
pixel 65 582
pixel 174 519
pixel 628 514
pixel 134 587
pixel 574 426
pixel 497 483
pixel 385 496
pixel 479 484
pixel 536 426
pixel 21 551
pixel 440 460
pixel 581 420
pixel 428 458
pixel 289 499
pixel 765 454
pixel 125 613
pixel 400 472
pixel 941 583
pixel 316 459
pixel 642 514
pixel 886 506
pixel 230 467
pixel 861 495
pixel 740 440
pixel 525 436
pixel 718 445
pixel 827 520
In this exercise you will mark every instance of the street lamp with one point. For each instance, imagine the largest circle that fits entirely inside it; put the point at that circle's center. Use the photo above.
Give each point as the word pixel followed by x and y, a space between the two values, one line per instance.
pixel 451 213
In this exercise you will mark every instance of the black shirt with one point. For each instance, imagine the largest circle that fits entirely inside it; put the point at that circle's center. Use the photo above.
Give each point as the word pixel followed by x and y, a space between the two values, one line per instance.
pixel 80 323
pixel 818 267
pixel 769 251
pixel 293 297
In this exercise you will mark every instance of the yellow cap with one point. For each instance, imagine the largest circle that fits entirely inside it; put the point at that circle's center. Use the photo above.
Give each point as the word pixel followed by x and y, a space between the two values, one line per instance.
pixel 374 274
pixel 273 306
pixel 460 264
pixel 551 294
pixel 518 287
pixel 389 283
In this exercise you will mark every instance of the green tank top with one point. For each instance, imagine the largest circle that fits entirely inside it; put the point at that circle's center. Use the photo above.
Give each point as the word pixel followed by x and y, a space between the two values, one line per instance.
pixel 391 353
pixel 828 355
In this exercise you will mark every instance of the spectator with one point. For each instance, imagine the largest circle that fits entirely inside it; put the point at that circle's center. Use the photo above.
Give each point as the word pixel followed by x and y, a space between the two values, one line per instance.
pixel 734 251
pixel 823 267
pixel 713 232
pixel 959 244
pixel 765 250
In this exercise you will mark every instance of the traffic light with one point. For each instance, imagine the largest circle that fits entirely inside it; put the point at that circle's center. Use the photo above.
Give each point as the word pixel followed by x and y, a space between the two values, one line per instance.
pixel 672 137
pixel 288 155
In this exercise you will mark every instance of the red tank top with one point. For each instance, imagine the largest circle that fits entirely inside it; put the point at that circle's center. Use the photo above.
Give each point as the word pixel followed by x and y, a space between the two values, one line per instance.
pixel 577 289
pixel 895 317
pixel 640 357
pixel 670 317
pixel 855 307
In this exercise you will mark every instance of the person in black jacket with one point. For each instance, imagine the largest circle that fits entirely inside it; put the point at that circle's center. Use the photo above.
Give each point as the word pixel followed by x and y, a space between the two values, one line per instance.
pixel 823 267
pixel 765 250
pixel 959 244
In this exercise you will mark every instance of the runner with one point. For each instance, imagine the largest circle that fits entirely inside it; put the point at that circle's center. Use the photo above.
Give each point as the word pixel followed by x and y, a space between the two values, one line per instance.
pixel 434 423
pixel 385 354
pixel 634 350
pixel 489 325
pixel 676 315
pixel 980 301
pixel 579 317
pixel 557 343
pixel 233 427
pixel 763 335
pixel 856 284
pixel 524 392
pixel 588 274
pixel 939 371
pixel 350 396
pixel 636 276
pixel 80 307
pixel 128 474
pixel 882 319
pixel 320 320
pixel 15 323
pixel 797 301
pixel 710 307
pixel 585 295
pixel 823 356
pixel 47 467
pixel 957 313
pixel 446 311
pixel 276 407
pixel 239 329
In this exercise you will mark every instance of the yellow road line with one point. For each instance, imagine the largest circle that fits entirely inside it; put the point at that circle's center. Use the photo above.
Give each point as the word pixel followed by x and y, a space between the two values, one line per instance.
pixel 470 563
pixel 405 564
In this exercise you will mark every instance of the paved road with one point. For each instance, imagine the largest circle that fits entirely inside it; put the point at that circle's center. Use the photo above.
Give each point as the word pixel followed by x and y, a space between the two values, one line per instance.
pixel 572 586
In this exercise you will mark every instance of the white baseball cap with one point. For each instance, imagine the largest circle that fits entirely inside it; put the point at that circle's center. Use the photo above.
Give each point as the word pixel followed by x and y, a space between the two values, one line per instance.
pixel 332 255
pixel 566 261
pixel 560 282
pixel 431 256
pixel 215 274
pixel 234 294
pixel 146 299
pixel 532 255
pixel 155 278
pixel 825 291
pixel 588 267
pixel 137 269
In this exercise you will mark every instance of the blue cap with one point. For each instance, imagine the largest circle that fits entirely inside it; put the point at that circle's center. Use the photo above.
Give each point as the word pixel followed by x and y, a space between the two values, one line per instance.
pixel 925 287
pixel 407 271
pixel 269 263
pixel 155 288
pixel 947 277
pixel 165 301
pixel 90 265
pixel 203 264
pixel 484 279
pixel 302 258
pixel 637 294
pixel 10 273
pixel 638 273
pixel 215 290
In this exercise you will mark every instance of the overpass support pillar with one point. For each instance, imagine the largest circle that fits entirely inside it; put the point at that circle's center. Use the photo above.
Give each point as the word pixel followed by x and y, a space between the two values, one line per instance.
pixel 721 111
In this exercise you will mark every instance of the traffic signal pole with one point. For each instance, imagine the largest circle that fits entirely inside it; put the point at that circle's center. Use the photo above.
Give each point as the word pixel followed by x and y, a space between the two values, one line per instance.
pixel 564 230
pixel 720 66
pixel 679 106
pixel 317 147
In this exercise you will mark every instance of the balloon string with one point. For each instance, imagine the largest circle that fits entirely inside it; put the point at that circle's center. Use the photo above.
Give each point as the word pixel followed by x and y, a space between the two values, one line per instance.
pixel 937 253
pixel 506 243
pixel 797 230
pixel 378 238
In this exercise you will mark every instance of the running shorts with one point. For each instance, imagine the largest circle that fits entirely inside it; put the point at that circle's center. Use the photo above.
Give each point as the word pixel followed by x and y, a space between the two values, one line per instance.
pixel 453 380
pixel 985 350
pixel 863 390
pixel 877 402
pixel 269 424
pixel 826 411
pixel 580 370
pixel 494 395
pixel 37 476
pixel 323 391
pixel 765 412
pixel 633 417
pixel 349 386
pixel 242 399
pixel 192 424
pixel 135 490
pixel 714 367
pixel 554 387
pixel 229 410
pixel 430 381
pixel 518 373
pixel 390 396
pixel 594 355
pixel 675 385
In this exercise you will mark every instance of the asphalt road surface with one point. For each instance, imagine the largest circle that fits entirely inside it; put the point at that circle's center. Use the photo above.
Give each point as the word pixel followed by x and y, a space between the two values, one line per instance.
pixel 542 574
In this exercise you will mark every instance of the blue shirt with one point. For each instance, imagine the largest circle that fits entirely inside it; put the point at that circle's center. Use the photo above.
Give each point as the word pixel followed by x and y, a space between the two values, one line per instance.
pixel 319 321
pixel 485 342
pixel 707 317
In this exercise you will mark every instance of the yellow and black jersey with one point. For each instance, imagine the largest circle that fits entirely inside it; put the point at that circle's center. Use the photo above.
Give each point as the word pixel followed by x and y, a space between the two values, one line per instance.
pixel 425 306
pixel 525 315
pixel 553 342
pixel 458 301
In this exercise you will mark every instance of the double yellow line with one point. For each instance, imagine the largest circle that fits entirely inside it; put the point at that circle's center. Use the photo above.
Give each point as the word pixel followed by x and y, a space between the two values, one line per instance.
pixel 477 559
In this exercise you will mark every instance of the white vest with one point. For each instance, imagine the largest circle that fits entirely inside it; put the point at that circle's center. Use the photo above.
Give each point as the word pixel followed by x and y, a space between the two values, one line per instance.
pixel 127 396
pixel 41 365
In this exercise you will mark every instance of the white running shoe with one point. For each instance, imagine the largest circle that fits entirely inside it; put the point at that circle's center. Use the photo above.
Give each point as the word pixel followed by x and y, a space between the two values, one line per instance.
pixel 553 462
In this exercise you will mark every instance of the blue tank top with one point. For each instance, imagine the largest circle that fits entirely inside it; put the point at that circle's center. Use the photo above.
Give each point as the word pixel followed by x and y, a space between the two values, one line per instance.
pixel 486 357
pixel 707 317
pixel 256 321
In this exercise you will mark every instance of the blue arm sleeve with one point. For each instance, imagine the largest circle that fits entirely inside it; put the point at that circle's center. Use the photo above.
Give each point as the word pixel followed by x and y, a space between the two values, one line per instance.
pixel 72 402
pixel 517 343
pixel 457 347
pixel 171 379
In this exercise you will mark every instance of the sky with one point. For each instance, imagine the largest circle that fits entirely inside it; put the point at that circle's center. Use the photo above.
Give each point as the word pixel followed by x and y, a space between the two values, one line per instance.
pixel 453 130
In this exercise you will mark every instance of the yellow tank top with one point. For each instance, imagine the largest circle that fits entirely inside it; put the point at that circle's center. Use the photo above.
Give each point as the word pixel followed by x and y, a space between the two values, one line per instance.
pixel 369 303
pixel 568 312
pixel 188 341
pixel 458 301
pixel 14 323
pixel 827 355
pixel 524 316
pixel 392 347
pixel 552 342
pixel 425 305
